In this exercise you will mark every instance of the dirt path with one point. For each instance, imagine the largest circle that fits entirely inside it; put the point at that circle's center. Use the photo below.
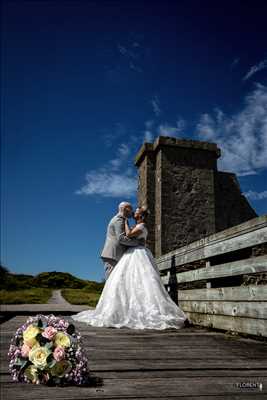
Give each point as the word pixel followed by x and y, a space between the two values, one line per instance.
pixel 57 298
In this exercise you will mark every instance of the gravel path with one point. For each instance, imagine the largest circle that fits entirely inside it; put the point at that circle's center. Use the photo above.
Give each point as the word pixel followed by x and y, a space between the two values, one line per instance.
pixel 57 298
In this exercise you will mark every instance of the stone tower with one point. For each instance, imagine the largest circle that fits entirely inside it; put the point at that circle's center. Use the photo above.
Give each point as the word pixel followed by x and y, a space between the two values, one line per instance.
pixel 187 196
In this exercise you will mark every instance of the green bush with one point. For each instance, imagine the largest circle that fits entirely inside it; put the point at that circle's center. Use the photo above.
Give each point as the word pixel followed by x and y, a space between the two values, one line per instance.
pixel 51 280
pixel 27 296
pixel 81 296
pixel 58 280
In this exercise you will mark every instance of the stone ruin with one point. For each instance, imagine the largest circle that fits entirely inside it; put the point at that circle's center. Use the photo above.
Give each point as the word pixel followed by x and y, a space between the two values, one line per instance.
pixel 188 198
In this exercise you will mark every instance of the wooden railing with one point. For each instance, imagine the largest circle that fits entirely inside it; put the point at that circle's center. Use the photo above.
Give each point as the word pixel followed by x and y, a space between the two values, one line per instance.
pixel 220 281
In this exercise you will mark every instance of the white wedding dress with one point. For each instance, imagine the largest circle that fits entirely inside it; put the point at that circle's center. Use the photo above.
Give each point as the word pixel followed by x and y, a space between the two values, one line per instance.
pixel 134 295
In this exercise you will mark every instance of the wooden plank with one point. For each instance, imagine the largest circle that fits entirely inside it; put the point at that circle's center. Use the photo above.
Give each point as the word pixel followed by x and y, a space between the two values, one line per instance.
pixel 237 345
pixel 148 354
pixel 201 363
pixel 245 396
pixel 139 388
pixel 237 293
pixel 31 309
pixel 250 233
pixel 250 265
pixel 172 345
pixel 238 309
pixel 153 364
pixel 236 324
pixel 6 377
pixel 181 373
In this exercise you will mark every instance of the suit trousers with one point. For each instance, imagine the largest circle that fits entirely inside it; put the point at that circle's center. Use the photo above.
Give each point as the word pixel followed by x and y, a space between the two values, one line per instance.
pixel 109 264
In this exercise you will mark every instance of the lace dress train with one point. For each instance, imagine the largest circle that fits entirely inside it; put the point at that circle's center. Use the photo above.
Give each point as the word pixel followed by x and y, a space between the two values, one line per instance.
pixel 134 297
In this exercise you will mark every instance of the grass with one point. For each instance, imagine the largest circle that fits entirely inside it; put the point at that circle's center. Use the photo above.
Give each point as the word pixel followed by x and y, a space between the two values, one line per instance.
pixel 27 296
pixel 81 296
pixel 21 288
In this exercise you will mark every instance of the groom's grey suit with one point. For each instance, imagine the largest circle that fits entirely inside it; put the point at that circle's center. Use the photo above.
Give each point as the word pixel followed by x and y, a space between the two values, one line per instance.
pixel 116 243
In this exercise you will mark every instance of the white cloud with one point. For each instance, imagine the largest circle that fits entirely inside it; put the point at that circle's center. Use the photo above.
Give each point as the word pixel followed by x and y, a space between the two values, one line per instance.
pixel 135 67
pixel 155 104
pixel 148 137
pixel 235 62
pixel 115 179
pixel 109 184
pixel 242 137
pixel 255 68
pixel 122 155
pixel 118 131
pixel 126 52
pixel 181 124
pixel 149 123
pixel 131 56
pixel 256 195
pixel 166 129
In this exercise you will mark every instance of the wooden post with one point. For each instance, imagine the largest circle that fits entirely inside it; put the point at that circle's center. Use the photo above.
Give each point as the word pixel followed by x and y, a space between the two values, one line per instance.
pixel 208 284
pixel 173 285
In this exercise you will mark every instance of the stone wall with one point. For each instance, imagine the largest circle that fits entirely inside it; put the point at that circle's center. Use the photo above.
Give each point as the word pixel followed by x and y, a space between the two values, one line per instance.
pixel 232 208
pixel 146 194
pixel 186 195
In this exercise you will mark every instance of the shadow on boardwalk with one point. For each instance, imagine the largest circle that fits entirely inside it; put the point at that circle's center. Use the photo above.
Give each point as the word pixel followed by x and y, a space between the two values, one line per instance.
pixel 190 363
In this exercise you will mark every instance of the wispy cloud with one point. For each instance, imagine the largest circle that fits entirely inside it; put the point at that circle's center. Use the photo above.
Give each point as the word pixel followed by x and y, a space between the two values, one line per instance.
pixel 172 130
pixel 235 62
pixel 148 136
pixel 156 105
pixel 167 130
pixel 132 54
pixel 255 68
pixel 181 124
pixel 119 130
pixel 256 195
pixel 126 52
pixel 149 123
pixel 163 129
pixel 109 184
pixel 115 179
pixel 122 155
pixel 135 67
pixel 242 136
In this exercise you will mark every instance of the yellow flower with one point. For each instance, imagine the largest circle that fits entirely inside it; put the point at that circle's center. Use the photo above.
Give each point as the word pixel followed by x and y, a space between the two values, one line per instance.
pixel 32 373
pixel 61 368
pixel 62 340
pixel 29 335
pixel 38 355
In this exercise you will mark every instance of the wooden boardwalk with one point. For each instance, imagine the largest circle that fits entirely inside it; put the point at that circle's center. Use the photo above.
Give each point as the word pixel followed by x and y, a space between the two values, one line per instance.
pixel 190 363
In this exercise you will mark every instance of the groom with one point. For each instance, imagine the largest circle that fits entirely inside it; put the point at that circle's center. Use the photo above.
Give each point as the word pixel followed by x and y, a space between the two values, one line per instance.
pixel 116 241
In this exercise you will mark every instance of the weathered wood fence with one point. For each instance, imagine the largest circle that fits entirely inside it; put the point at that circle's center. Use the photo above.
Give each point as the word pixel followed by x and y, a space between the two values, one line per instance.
pixel 220 281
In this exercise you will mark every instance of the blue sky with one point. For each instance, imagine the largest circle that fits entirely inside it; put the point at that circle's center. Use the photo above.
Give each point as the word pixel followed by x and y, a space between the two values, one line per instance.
pixel 84 83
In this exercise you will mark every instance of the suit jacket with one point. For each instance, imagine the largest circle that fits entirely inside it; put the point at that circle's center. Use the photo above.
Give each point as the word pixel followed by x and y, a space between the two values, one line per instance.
pixel 116 241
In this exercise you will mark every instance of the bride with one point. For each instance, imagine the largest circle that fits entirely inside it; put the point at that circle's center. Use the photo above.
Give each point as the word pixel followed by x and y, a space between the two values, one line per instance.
pixel 134 295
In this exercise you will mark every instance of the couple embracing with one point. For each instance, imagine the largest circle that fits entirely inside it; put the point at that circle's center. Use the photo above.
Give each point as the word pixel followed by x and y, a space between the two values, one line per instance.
pixel 134 295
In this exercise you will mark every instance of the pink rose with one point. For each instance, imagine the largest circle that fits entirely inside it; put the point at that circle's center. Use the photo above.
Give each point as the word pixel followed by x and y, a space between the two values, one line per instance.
pixel 59 353
pixel 25 350
pixel 49 332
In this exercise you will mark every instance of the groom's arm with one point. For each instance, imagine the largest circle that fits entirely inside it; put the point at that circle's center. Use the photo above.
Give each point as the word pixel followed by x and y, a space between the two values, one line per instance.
pixel 119 227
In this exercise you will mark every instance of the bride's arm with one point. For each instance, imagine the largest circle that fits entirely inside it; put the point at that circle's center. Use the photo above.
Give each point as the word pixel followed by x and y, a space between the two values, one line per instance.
pixel 135 231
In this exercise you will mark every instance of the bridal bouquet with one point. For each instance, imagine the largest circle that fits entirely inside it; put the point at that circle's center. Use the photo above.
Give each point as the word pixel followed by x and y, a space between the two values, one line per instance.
pixel 47 350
